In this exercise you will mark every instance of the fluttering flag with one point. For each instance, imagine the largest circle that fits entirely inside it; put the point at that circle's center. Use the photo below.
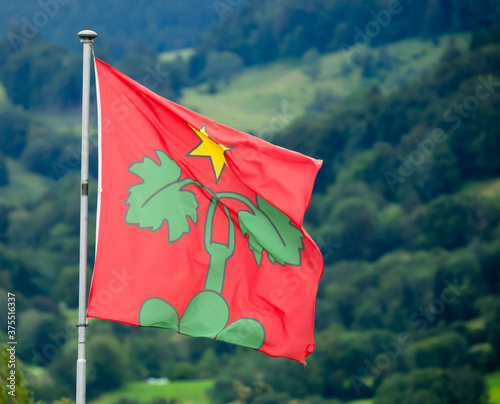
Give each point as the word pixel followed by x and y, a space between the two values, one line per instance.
pixel 199 226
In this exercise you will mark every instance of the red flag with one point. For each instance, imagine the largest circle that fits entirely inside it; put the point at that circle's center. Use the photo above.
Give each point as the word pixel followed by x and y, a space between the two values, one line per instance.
pixel 200 226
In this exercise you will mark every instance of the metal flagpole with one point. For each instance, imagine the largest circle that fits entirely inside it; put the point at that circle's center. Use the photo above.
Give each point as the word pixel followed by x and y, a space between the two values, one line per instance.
pixel 87 39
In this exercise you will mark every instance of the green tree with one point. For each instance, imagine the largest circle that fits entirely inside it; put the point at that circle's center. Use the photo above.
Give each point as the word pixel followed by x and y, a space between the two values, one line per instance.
pixel 311 64
pixel 489 258
pixel 461 268
pixel 38 331
pixel 443 350
pixel 4 177
pixel 469 386
pixel 493 328
pixel 63 373
pixel 482 356
pixel 43 150
pixel 447 222
pixel 14 126
pixel 108 365
pixel 68 276
pixel 22 394
pixel 432 385
pixel 354 226
pixel 33 76
pixel 445 173
pixel 221 65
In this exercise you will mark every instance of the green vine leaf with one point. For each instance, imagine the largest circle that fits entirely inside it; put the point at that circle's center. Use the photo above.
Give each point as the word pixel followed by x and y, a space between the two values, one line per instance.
pixel 271 230
pixel 160 197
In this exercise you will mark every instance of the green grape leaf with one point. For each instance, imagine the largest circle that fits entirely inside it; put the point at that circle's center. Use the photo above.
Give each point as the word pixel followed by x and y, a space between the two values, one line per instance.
pixel 160 197
pixel 270 229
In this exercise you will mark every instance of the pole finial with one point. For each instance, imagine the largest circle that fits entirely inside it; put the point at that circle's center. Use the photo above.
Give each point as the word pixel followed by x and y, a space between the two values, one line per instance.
pixel 87 36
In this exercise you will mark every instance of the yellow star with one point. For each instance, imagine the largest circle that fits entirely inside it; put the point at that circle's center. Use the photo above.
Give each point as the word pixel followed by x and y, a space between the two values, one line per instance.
pixel 209 148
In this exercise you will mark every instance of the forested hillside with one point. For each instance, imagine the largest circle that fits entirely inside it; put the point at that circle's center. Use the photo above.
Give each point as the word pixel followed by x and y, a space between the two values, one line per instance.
pixel 410 192
pixel 406 209
pixel 145 27
pixel 262 31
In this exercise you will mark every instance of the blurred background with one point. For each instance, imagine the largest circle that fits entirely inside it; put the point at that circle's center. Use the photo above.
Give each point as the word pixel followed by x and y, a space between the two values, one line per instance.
pixel 401 99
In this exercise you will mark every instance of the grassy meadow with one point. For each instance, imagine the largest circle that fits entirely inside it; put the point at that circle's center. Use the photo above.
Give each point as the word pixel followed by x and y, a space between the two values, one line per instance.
pixel 187 392
pixel 252 100
pixel 194 392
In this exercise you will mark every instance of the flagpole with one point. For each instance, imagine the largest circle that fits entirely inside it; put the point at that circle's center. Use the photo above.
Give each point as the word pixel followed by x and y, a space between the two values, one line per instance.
pixel 87 39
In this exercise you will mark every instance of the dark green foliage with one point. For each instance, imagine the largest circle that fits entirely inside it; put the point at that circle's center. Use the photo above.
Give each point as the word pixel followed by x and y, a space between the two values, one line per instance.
pixel 445 174
pixel 123 26
pixel 259 31
pixel 61 292
pixel 222 391
pixel 469 386
pixel 41 75
pixel 462 269
pixel 493 327
pixel 490 262
pixel 447 222
pixel 159 400
pixel 38 331
pixel 441 351
pixel 18 273
pixel 63 369
pixel 42 151
pixel 44 76
pixel 22 394
pixel 482 356
pixel 272 398
pixel 432 385
pixel 483 37
pixel 127 401
pixel 356 221
pixel 183 371
pixel 221 65
pixel 422 293
pixel 14 125
pixel 4 180
pixel 107 368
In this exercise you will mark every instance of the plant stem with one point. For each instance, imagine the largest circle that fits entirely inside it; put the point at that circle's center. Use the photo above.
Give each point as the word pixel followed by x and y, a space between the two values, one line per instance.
pixel 219 252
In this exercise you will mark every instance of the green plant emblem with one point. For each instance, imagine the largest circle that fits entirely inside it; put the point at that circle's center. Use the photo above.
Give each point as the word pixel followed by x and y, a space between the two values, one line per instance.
pixel 161 198
pixel 271 230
